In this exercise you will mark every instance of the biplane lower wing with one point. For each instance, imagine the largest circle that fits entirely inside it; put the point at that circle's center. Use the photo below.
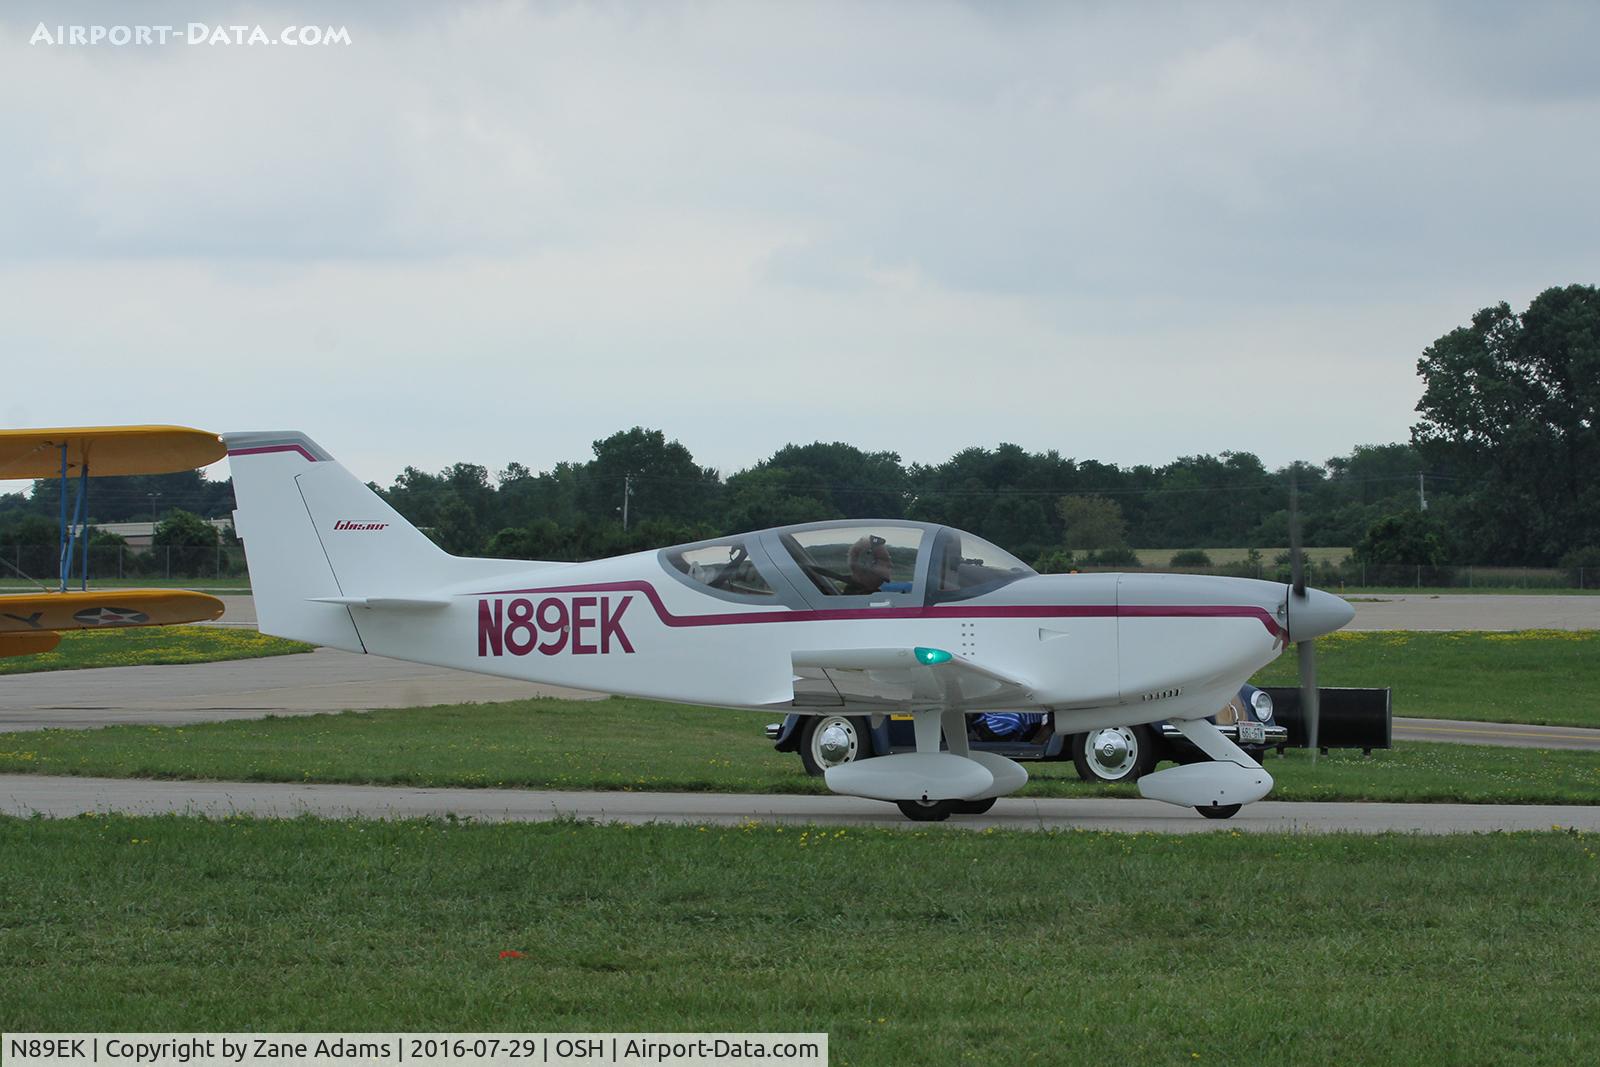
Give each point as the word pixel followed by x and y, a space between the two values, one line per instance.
pixel 32 622
pixel 28 642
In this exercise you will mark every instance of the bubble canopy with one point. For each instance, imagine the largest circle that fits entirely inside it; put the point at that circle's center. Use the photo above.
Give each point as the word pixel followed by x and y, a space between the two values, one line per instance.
pixel 966 565
pixel 870 563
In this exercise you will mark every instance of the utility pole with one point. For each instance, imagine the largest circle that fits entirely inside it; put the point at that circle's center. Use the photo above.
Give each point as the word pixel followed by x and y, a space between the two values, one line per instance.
pixel 1422 493
pixel 627 491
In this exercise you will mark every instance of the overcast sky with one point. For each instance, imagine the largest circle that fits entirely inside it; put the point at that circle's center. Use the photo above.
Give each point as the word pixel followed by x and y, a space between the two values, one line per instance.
pixel 498 231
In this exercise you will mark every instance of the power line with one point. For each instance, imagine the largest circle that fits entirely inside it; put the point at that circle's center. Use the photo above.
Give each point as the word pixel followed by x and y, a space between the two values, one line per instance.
pixel 1274 485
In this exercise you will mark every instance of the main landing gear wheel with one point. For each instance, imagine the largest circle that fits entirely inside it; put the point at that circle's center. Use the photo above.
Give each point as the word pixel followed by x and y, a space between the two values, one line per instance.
pixel 929 810
pixel 940 810
pixel 832 741
pixel 1220 811
pixel 1114 754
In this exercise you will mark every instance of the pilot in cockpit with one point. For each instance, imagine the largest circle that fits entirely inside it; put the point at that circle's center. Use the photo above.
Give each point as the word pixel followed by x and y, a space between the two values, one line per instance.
pixel 869 565
pixel 871 569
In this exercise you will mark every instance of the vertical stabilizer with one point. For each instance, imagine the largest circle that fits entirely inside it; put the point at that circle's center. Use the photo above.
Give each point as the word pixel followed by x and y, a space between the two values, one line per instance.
pixel 288 567
pixel 314 533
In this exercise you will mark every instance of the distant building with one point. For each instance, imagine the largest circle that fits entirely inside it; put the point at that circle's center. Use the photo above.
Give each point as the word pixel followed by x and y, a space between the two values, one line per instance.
pixel 140 534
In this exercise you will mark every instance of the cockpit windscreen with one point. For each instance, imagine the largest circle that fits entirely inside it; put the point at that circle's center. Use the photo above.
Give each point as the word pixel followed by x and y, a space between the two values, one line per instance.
pixel 966 566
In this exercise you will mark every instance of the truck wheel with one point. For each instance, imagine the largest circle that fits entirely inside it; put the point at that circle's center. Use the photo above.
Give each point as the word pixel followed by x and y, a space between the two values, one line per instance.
pixel 1220 811
pixel 1114 754
pixel 929 810
pixel 832 741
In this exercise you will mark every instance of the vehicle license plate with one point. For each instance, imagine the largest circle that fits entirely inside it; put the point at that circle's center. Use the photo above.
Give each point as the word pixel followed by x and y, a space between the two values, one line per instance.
pixel 1252 733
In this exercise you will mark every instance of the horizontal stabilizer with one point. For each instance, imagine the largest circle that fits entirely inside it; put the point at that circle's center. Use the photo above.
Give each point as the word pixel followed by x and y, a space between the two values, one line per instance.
pixel 912 776
pixel 392 603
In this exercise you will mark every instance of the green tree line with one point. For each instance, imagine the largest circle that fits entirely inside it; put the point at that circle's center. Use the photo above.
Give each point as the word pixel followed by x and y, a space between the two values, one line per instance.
pixel 1507 447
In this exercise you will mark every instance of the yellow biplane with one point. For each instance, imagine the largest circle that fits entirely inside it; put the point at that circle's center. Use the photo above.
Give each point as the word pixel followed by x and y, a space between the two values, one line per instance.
pixel 32 622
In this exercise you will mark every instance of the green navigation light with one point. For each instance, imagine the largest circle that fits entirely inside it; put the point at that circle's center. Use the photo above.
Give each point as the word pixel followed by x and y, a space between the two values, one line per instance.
pixel 932 655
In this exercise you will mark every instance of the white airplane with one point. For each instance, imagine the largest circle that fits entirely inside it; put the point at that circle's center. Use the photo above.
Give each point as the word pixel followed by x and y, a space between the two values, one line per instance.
pixel 865 616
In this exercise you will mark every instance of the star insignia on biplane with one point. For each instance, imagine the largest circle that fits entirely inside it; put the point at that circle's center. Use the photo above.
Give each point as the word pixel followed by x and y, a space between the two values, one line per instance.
pixel 108 616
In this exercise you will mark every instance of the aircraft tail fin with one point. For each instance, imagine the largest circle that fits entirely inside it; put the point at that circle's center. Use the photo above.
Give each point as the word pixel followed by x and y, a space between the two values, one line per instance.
pixel 317 540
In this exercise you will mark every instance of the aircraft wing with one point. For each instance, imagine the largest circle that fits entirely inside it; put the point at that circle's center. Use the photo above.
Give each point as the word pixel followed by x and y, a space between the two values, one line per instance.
pixel 26 644
pixel 915 677
pixel 107 450
pixel 31 613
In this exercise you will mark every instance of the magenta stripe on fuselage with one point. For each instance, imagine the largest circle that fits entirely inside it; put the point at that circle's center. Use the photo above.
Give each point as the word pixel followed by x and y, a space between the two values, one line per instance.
pixel 952 611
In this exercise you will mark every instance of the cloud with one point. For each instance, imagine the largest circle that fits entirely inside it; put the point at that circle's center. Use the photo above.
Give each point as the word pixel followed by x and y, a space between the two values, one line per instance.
pixel 497 231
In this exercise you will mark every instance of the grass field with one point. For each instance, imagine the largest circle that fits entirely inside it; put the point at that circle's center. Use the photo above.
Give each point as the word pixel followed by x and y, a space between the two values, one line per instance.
pixel 150 645
pixel 907 948
pixel 640 745
pixel 1543 677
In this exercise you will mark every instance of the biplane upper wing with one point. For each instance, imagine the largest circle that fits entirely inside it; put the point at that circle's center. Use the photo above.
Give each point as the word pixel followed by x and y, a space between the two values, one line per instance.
pixel 107 450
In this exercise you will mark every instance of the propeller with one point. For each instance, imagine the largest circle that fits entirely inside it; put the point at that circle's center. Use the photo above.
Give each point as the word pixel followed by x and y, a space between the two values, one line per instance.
pixel 1306 650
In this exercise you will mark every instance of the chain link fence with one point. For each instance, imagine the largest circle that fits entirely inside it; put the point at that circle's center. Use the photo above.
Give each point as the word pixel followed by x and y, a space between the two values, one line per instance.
pixel 42 563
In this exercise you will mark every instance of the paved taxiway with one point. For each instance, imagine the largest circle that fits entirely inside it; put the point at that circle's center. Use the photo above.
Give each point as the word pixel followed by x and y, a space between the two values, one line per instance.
pixel 301 684
pixel 26 794
pixel 1508 734
pixel 1474 611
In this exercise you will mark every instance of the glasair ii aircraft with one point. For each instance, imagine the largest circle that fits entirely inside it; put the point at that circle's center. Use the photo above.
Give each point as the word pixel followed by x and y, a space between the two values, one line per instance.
pixel 865 616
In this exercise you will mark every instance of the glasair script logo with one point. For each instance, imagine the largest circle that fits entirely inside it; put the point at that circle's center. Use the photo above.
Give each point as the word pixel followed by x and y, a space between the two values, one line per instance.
pixel 359 524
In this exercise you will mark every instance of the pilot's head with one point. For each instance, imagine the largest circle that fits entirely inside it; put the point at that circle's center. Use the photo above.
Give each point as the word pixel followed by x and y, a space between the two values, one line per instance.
pixel 869 563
